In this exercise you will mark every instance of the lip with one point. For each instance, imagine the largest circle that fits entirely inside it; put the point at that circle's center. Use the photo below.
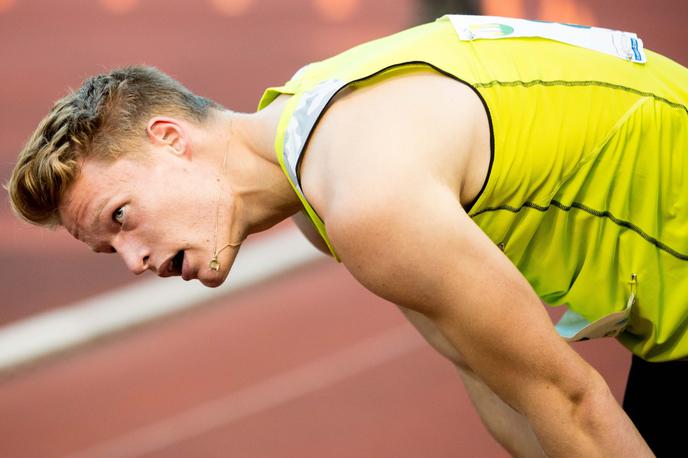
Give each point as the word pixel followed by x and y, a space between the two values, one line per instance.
pixel 164 269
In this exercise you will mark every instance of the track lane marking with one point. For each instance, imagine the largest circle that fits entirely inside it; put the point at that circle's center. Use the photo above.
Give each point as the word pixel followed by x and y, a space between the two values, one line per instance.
pixel 261 396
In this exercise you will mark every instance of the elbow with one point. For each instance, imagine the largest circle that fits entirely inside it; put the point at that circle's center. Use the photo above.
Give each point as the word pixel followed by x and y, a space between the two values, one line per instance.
pixel 587 421
pixel 591 403
pixel 593 411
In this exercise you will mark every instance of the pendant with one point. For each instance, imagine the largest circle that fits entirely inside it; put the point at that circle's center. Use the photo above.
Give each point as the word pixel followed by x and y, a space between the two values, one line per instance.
pixel 214 264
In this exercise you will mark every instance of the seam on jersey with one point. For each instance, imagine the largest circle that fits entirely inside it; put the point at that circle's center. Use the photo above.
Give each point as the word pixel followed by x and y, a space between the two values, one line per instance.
pixel 602 214
pixel 582 83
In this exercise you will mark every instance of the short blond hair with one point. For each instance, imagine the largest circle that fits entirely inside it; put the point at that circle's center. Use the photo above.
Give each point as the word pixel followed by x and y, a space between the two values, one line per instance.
pixel 104 119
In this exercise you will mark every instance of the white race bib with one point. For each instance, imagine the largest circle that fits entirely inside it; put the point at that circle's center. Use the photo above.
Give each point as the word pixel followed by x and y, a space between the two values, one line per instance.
pixel 573 327
pixel 625 45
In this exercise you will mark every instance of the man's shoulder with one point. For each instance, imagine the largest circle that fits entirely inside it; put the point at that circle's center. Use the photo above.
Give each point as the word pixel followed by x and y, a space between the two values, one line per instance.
pixel 402 131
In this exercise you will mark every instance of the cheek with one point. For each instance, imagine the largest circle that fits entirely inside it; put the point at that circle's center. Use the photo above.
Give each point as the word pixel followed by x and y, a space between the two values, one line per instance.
pixel 184 208
pixel 194 216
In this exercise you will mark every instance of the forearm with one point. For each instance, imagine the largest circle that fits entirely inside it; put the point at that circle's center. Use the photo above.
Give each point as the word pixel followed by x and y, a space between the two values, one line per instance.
pixel 593 425
pixel 589 432
pixel 566 402
pixel 510 428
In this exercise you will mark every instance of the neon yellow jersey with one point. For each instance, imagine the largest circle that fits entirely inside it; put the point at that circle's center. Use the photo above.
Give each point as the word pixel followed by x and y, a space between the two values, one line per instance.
pixel 587 192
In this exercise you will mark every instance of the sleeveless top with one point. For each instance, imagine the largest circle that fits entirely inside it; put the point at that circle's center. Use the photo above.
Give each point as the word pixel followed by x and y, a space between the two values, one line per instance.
pixel 587 190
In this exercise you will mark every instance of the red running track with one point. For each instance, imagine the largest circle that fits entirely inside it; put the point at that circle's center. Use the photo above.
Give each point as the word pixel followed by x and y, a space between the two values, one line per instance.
pixel 310 365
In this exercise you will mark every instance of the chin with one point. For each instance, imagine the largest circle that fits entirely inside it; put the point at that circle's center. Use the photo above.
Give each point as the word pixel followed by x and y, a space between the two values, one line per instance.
pixel 213 281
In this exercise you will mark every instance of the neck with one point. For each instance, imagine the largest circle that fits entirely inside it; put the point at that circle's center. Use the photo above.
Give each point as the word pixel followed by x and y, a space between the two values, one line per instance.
pixel 261 194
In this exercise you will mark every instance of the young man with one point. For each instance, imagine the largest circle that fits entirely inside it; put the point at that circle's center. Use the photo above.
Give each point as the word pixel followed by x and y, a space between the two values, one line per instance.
pixel 467 180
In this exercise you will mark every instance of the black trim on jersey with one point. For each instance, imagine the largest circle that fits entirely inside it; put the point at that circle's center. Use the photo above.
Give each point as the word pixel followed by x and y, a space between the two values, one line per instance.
pixel 401 64
pixel 602 214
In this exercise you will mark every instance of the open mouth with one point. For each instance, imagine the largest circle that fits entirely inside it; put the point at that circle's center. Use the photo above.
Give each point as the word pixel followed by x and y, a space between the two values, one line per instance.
pixel 177 263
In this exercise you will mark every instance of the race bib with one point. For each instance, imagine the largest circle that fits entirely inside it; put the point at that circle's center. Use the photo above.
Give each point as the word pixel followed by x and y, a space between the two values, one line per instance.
pixel 625 45
pixel 573 327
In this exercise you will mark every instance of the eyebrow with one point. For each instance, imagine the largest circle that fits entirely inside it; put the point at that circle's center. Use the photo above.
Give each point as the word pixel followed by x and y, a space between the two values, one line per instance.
pixel 98 210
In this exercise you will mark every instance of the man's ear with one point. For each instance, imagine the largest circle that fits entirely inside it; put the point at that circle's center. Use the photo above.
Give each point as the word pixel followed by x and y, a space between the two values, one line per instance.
pixel 168 132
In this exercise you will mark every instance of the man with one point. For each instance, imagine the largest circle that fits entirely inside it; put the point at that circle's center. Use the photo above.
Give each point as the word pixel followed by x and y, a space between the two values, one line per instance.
pixel 460 178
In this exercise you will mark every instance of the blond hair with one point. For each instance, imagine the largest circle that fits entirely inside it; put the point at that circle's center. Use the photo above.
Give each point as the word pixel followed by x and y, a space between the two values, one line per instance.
pixel 104 119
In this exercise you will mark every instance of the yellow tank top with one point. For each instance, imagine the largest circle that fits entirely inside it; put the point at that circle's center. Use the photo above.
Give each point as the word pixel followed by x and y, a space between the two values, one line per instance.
pixel 587 192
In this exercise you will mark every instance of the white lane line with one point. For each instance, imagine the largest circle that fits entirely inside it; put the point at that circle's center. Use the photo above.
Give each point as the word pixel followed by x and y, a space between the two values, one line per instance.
pixel 55 331
pixel 262 396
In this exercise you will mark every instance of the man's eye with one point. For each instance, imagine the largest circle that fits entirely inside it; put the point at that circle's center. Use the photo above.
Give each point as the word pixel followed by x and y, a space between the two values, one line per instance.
pixel 118 215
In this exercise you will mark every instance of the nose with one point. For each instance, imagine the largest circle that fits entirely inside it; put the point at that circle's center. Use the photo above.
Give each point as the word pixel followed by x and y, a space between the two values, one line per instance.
pixel 136 257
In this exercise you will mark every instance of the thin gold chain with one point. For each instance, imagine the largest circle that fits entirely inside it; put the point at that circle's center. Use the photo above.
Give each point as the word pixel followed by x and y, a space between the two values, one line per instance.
pixel 214 263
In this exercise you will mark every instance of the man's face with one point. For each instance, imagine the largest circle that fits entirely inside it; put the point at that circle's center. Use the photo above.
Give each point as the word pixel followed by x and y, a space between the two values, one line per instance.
pixel 158 213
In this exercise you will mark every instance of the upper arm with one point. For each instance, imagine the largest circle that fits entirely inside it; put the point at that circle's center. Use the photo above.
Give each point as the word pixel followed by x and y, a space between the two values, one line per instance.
pixel 425 253
pixel 390 199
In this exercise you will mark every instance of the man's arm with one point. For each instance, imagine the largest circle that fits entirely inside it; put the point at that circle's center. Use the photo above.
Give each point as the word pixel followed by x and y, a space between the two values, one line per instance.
pixel 508 427
pixel 388 166
pixel 420 250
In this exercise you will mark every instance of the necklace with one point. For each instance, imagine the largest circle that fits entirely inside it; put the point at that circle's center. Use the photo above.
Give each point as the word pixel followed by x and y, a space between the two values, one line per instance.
pixel 214 263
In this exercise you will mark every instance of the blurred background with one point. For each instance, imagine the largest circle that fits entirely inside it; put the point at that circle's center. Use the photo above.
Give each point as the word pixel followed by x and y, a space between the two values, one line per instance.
pixel 293 361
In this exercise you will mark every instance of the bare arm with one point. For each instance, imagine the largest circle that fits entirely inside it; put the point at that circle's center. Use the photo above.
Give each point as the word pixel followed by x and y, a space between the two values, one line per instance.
pixel 508 427
pixel 442 265
pixel 392 163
